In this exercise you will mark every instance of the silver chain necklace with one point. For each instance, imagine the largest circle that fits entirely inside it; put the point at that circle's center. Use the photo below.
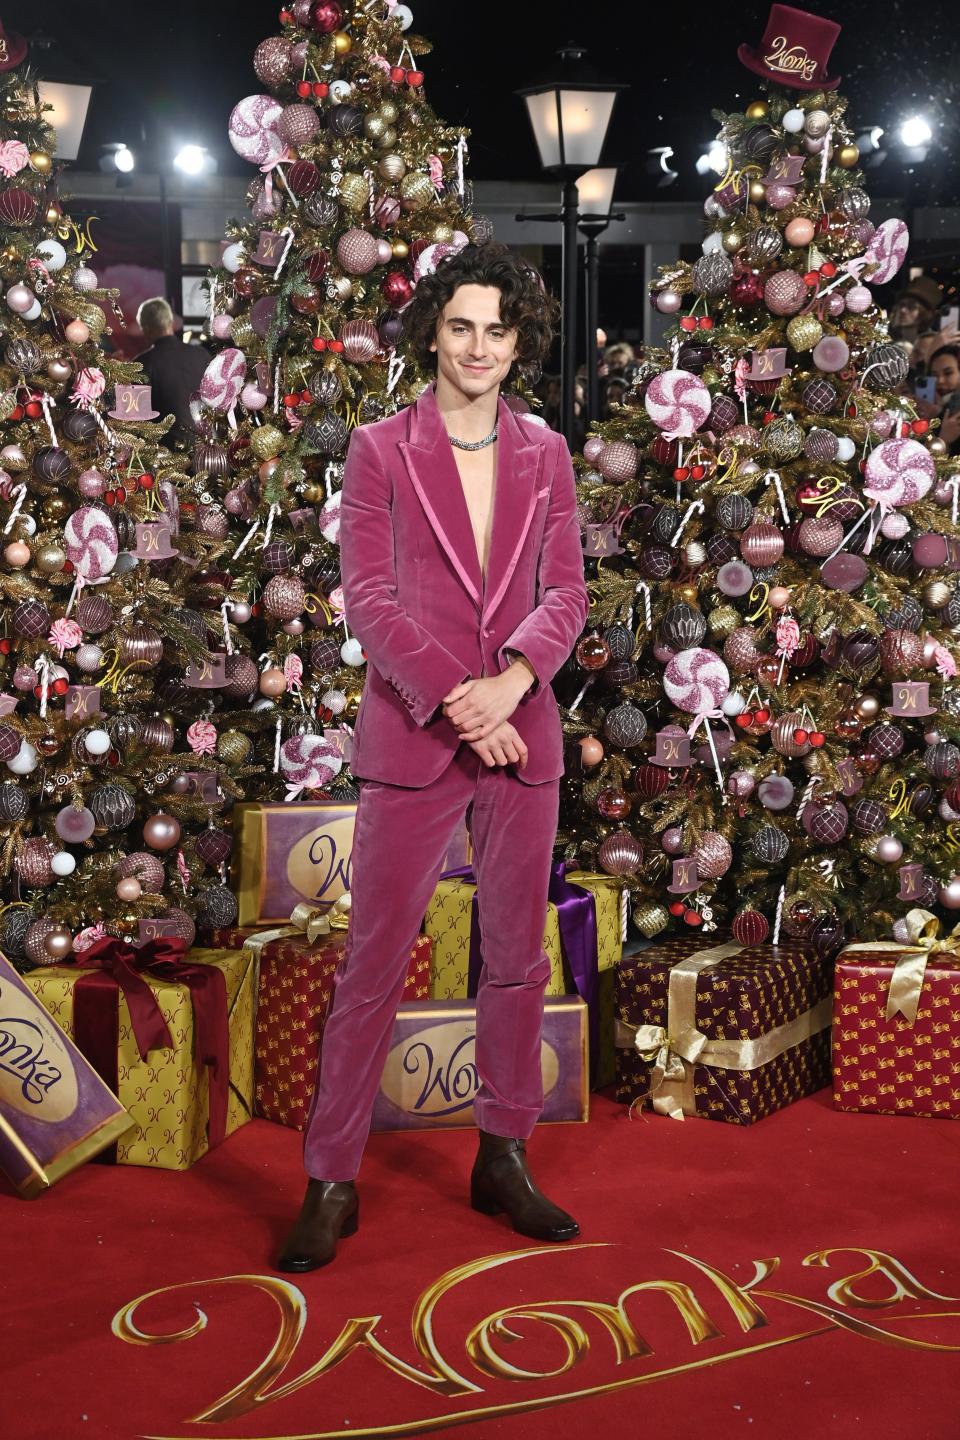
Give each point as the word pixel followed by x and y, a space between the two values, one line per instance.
pixel 474 444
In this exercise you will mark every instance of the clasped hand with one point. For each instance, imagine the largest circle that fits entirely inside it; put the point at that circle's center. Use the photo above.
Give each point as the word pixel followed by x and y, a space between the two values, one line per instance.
pixel 479 710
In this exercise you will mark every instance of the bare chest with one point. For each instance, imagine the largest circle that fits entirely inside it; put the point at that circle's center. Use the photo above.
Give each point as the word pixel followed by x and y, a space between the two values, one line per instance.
pixel 478 476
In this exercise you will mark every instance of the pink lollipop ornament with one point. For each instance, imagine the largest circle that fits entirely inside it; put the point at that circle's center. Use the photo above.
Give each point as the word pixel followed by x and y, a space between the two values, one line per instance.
pixel 223 380
pixel 899 472
pixel 678 403
pixel 253 129
pixel 698 681
pixel 309 762
pixel 330 519
pixel 91 543
pixel 887 250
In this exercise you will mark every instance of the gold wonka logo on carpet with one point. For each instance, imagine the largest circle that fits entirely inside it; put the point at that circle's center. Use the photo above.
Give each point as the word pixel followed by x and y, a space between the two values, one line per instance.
pixel 717 1298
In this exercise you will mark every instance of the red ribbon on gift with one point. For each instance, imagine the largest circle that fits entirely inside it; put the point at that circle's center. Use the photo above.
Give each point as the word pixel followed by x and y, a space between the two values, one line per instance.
pixel 114 966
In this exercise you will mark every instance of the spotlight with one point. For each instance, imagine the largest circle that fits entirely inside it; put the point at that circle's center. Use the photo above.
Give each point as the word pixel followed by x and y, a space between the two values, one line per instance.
pixel 915 132
pixel 191 159
pixel 124 159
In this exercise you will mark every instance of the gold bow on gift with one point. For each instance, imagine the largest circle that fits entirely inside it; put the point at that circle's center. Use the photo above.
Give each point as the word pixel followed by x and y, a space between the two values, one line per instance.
pixel 906 982
pixel 308 920
pixel 676 1048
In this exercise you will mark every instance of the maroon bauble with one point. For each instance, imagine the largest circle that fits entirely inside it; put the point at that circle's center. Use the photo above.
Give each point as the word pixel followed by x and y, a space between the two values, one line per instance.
pixel 665 451
pixel 157 734
pixel 10 742
pixel 888 742
pixel 820 396
pixel 750 927
pixel 242 675
pixel 213 847
pixel 31 619
pixel 942 760
pixel 17 207
pixel 827 824
pixel 277 556
pixel 724 413
pixel 592 652
pixel 619 673
pixel 651 780
pixel 657 562
pixel 304 178
pixel 746 289
pixel 179 924
pixel 140 647
pixel 94 614
pixel 614 803
pixel 868 817
pixel 307 299
pixel 396 289
pixel 900 652
pixel 316 265
pixel 326 16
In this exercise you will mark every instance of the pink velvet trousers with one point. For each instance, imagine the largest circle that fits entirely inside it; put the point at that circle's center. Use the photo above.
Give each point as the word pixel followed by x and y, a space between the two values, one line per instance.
pixel 400 842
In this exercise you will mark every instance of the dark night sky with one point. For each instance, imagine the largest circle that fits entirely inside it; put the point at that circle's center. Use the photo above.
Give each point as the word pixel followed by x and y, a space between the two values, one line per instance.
pixel 177 68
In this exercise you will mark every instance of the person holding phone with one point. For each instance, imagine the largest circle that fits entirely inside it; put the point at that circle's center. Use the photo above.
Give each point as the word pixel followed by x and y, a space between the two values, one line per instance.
pixel 945 373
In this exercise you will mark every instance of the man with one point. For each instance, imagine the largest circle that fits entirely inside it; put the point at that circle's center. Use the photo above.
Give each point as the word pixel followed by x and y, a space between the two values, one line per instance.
pixel 173 369
pixel 463 580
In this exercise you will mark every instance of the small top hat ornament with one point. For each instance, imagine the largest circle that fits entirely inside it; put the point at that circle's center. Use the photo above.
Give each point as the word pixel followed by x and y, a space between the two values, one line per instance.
pixel 133 402
pixel 673 747
pixel 13 48
pixel 911 882
pixel 768 364
pixel 911 698
pixel 795 50
pixel 686 877
pixel 153 542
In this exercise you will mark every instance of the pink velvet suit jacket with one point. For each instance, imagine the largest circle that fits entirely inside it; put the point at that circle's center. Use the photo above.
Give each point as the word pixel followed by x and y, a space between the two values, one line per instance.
pixel 416 598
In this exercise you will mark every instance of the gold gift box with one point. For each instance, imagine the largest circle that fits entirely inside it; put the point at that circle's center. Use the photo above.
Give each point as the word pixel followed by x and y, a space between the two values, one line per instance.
pixel 166 1094
pixel 284 855
pixel 447 922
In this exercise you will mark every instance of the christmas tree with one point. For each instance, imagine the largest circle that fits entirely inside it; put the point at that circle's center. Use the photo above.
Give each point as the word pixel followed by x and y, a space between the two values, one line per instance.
pixel 774 534
pixel 105 829
pixel 362 190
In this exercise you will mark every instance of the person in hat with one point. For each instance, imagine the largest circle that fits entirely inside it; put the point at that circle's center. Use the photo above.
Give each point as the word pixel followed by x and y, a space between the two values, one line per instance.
pixel 463 580
pixel 914 318
pixel 173 369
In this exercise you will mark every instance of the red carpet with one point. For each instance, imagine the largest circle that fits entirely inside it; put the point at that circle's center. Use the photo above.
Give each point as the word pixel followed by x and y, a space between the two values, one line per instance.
pixel 674 1217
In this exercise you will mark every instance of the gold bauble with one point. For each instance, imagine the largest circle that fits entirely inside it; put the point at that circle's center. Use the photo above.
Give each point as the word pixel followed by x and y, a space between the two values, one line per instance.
pixel 313 494
pixel 340 288
pixel 689 593
pixel 724 620
pixel 937 446
pixel 442 234
pixel 41 162
pixel 732 241
pixel 342 42
pixel 388 139
pixel 416 191
pixel 354 191
pixel 804 331
pixel 56 507
pixel 49 559
pixel 758 192
pixel 243 335
pixel 392 167
pixel 9 254
pixel 389 112
pixel 816 101
pixel 650 919
pixel 53 214
pixel 374 126
pixel 400 249
pixel 936 594
pixel 233 747
pixel 353 703
pixel 267 441
pixel 847 156
pixel 757 110
pixel 297 371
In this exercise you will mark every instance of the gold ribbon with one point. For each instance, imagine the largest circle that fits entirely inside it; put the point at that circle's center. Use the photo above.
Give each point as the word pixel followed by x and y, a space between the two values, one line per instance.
pixel 677 1048
pixel 906 982
pixel 305 919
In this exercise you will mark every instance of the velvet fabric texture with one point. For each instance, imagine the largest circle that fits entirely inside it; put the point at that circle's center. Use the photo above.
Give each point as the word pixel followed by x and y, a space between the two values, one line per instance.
pixel 401 836
pixel 418 602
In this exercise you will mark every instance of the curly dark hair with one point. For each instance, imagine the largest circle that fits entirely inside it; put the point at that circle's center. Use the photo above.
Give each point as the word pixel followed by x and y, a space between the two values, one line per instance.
pixel 525 305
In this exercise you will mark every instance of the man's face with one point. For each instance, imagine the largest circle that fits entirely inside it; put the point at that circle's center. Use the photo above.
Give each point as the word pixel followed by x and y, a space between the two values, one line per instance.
pixel 474 348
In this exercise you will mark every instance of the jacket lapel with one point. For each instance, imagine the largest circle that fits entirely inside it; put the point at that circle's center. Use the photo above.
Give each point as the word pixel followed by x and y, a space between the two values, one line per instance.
pixel 435 478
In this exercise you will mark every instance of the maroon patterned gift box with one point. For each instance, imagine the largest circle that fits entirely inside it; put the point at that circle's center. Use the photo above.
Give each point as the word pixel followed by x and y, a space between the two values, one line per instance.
pixel 721 1030
pixel 296 981
pixel 896 1054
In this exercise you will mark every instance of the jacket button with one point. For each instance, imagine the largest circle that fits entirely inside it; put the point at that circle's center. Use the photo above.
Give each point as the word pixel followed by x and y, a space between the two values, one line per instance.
pixel 487 630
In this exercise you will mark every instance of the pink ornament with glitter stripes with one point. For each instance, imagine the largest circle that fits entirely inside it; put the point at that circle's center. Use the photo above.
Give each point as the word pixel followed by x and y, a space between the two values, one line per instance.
pixel 899 472
pixel 677 402
pixel 696 680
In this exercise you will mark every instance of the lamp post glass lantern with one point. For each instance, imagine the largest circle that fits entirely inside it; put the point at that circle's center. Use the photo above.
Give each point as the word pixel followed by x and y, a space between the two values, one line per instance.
pixel 570 111
pixel 68 115
pixel 595 190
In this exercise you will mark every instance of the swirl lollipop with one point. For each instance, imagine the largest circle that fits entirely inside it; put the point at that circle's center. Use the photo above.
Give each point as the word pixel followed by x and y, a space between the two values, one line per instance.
pixel 330 519
pixel 899 472
pixel 697 680
pixel 677 402
pixel 223 380
pixel 309 762
pixel 887 250
pixel 91 543
pixel 253 129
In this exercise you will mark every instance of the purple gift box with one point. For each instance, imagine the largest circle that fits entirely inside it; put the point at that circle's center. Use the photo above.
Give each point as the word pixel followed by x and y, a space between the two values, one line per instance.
pixel 430 1078
pixel 55 1111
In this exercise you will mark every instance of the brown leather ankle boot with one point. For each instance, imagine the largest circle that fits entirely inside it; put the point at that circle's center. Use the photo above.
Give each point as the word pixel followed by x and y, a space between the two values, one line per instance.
pixel 501 1181
pixel 330 1210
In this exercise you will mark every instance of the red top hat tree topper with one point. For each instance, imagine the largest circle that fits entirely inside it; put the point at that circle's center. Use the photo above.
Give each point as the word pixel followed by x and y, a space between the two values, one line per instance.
pixel 795 50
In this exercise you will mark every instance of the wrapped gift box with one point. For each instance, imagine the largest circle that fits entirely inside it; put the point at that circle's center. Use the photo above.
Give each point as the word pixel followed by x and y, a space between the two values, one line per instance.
pixel 896 1043
pixel 167 1094
pixel 284 855
pixel 55 1111
pixel 296 981
pixel 430 1078
pixel 721 1030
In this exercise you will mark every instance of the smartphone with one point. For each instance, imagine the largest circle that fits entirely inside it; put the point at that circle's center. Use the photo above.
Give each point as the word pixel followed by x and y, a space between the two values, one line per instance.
pixel 951 320
pixel 927 389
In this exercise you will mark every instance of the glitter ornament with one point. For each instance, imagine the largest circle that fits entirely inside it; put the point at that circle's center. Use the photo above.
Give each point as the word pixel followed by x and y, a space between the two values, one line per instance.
pixel 253 129
pixel 625 725
pixel 357 251
pixel 820 535
pixel 711 274
pixel 899 472
pixel 272 61
pixel 650 919
pixel 620 853
pixel 217 908
pixel 713 855
pixel 142 866
pixel 34 944
pixel 677 402
pixel 298 124
pixel 242 677
pixel 33 862
pixel 769 845
pixel 749 927
pixel 820 396
pixel 233 747
pixel 785 292
pixel 617 461
pixel 696 680
pixel 91 542
pixel 885 367
pixel 783 440
pixel 804 331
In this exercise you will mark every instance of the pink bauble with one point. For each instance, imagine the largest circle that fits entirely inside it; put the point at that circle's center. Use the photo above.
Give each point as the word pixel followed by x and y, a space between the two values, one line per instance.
pixel 253 129
pixel 799 231
pixel 222 326
pixel 785 292
pixel 836 304
pixel 161 831
pixel 831 354
pixel 858 299
pixel 298 124
pixel 696 680
pixel 713 855
pixel 357 251
pixel 677 402
pixel 272 60
pixel 129 889
pixel 617 461
pixel 672 840
pixel 668 302
pixel 762 543
pixel 900 472
pixel 91 542
pixel 779 196
pixel 92 484
pixel 384 252
pixel 143 867
pixel 77 332
pixel 253 398
pixel 591 750
pixel 593 449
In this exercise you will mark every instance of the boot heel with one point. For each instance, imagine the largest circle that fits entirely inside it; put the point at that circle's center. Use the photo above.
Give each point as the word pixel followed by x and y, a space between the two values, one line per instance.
pixel 484 1203
pixel 351 1225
